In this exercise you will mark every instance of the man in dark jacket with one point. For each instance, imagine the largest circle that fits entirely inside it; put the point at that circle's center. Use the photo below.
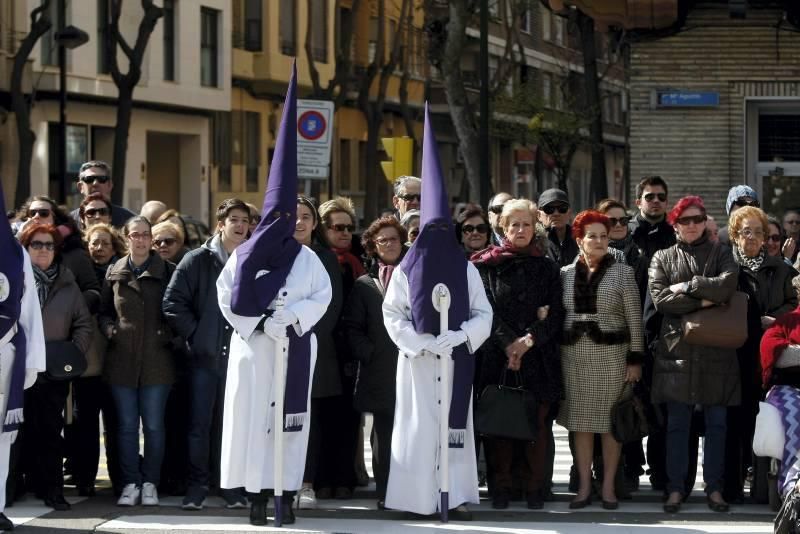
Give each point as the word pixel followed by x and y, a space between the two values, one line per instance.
pixel 95 177
pixel 190 306
pixel 650 230
pixel 554 214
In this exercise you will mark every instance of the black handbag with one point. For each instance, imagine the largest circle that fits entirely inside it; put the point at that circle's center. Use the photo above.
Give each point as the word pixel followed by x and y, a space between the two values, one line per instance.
pixel 507 412
pixel 628 418
pixel 65 360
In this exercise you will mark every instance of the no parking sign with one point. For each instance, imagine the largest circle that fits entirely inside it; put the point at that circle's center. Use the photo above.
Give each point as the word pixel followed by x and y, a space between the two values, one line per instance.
pixel 314 133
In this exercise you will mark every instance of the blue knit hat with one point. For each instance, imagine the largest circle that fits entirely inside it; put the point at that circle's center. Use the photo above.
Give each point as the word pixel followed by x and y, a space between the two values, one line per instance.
pixel 738 191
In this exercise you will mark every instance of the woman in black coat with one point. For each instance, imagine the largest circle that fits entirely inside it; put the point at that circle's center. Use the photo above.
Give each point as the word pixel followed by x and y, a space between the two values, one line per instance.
pixel 524 289
pixel 371 344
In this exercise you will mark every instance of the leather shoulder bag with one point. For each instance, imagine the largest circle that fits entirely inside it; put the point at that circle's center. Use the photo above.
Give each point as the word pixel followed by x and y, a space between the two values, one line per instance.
pixel 507 412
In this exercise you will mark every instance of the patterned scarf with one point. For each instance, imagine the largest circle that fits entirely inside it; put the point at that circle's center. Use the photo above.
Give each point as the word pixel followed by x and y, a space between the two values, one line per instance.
pixel 44 281
pixel 753 264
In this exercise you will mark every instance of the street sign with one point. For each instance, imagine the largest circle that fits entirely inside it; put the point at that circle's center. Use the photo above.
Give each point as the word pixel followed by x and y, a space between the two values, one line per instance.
pixel 314 133
pixel 306 171
pixel 686 99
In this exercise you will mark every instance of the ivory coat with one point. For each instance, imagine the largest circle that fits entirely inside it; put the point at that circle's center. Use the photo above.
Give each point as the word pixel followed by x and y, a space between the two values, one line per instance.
pixel 413 473
pixel 248 419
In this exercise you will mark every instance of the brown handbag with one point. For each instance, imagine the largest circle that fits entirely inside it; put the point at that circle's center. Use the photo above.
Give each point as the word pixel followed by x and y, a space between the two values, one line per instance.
pixel 723 326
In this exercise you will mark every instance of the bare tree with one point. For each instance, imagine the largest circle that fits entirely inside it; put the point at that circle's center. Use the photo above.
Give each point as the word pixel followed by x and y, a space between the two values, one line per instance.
pixel 20 105
pixel 127 82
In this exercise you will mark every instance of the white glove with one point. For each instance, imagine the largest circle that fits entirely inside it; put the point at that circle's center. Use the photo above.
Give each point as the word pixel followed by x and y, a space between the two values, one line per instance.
pixel 284 317
pixel 451 339
pixel 434 348
pixel 274 329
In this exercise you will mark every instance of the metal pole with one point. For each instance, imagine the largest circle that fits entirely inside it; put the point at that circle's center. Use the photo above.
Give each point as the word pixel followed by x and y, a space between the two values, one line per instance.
pixel 62 97
pixel 441 303
pixel 483 134
pixel 279 387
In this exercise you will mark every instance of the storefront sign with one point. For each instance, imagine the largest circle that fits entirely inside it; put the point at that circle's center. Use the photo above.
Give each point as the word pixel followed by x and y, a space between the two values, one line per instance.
pixel 686 99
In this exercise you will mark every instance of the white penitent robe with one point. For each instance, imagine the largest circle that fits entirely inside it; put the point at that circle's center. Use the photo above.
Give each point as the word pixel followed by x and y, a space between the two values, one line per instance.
pixel 30 320
pixel 249 417
pixel 413 474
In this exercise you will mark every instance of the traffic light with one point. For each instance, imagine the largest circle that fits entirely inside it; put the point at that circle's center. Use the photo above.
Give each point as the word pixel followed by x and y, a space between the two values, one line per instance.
pixel 401 154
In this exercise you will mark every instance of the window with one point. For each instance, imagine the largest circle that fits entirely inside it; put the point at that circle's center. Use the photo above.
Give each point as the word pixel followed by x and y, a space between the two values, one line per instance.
pixel 48 40
pixel 547 21
pixel 103 38
pixel 494 9
pixel 559 30
pixel 252 25
pixel 616 109
pixel 169 40
pixel 526 20
pixel 287 27
pixel 547 89
pixel 319 35
pixel 252 121
pixel 222 149
pixel 373 39
pixel 209 47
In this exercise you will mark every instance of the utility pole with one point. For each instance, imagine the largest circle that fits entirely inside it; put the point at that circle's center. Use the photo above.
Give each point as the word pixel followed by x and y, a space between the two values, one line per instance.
pixel 483 129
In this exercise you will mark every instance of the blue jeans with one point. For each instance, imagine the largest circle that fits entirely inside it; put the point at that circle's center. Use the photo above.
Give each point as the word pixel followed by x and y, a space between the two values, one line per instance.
pixel 147 402
pixel 679 418
pixel 206 397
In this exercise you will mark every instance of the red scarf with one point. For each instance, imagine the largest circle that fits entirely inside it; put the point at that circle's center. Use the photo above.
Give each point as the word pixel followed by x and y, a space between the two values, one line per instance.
pixel 495 255
pixel 348 259
pixel 784 332
pixel 385 274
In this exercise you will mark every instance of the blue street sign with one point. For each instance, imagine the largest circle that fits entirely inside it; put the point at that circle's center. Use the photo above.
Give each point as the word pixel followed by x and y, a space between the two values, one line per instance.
pixel 687 99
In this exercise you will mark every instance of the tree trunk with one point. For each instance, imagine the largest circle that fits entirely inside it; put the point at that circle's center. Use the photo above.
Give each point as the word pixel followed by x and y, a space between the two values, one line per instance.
pixel 373 174
pixel 460 110
pixel 599 183
pixel 121 134
pixel 40 23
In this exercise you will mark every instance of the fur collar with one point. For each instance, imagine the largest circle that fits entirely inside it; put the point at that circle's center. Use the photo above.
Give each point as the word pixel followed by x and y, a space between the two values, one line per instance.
pixel 585 292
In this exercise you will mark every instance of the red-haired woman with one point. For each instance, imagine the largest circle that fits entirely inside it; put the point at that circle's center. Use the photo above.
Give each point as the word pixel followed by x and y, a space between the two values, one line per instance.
pixel 602 349
pixel 690 275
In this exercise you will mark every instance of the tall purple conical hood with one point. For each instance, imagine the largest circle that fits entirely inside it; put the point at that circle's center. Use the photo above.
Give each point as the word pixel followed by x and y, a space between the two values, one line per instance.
pixel 437 257
pixel 264 260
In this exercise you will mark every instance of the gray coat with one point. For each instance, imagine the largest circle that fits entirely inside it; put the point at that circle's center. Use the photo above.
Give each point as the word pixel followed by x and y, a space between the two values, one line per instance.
pixel 692 374
pixel 139 352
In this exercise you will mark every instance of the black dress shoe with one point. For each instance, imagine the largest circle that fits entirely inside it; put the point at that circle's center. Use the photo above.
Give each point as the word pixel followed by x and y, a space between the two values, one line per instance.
pixel 583 503
pixel 500 500
pixel 535 500
pixel 718 506
pixel 57 502
pixel 288 513
pixel 258 511
pixel 672 507
pixel 86 491
pixel 5 523
pixel 610 505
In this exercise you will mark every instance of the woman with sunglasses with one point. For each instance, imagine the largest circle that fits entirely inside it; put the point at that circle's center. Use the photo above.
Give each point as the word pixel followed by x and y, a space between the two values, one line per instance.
pixel 690 275
pixel 524 290
pixel 472 229
pixel 139 366
pixel 376 353
pixel 767 281
pixel 410 222
pixel 336 476
pixel 94 209
pixel 620 238
pixel 65 318
pixel 168 241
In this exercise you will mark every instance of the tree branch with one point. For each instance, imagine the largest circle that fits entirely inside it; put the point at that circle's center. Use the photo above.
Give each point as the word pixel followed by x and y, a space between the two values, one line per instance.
pixel 312 65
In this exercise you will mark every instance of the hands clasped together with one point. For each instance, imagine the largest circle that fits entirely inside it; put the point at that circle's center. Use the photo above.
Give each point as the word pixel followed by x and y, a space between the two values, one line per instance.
pixel 443 344
pixel 275 326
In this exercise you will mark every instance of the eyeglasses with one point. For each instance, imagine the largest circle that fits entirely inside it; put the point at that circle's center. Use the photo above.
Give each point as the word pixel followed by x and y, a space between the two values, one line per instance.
pixel 747 233
pixel 741 202
pixel 342 227
pixel 552 209
pixel 497 210
pixel 696 219
pixel 622 221
pixel 385 242
pixel 166 242
pixel 99 178
pixel 42 212
pixel 97 212
pixel 139 235
pixel 481 228
pixel 39 245
pixel 409 197
pixel 775 238
pixel 649 197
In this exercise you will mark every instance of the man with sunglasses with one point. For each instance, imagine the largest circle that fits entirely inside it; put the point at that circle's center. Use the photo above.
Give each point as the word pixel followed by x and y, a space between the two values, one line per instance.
pixel 95 177
pixel 406 194
pixel 494 210
pixel 650 229
pixel 554 214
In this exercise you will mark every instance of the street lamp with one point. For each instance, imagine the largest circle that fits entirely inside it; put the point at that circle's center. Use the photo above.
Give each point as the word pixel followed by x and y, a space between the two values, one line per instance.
pixel 66 37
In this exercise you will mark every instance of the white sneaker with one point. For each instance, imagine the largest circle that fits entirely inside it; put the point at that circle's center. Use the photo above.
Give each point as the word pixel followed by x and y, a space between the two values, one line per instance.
pixel 130 496
pixel 306 499
pixel 149 494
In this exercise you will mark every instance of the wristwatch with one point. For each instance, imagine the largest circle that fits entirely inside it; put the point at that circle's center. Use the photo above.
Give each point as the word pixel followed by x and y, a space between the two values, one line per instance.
pixel 528 340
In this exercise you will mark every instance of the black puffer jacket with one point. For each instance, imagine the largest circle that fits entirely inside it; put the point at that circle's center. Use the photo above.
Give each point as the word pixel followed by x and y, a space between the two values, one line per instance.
pixel 191 309
pixel 516 289
pixel 371 346
pixel 327 380
pixel 692 374
pixel 649 237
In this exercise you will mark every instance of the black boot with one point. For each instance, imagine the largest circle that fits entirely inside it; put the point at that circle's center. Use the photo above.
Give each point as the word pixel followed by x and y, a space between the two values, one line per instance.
pixel 288 513
pixel 258 509
pixel 5 523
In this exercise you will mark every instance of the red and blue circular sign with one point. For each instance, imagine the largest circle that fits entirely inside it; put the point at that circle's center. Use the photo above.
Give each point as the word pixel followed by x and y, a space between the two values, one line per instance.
pixel 311 125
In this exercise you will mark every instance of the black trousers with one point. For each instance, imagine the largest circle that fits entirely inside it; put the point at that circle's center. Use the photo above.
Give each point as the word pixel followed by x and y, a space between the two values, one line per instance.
pixel 92 397
pixel 381 441
pixel 175 466
pixel 314 439
pixel 42 447
pixel 339 423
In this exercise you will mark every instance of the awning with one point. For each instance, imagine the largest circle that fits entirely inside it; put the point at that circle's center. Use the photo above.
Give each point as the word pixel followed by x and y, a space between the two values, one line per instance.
pixel 627 14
